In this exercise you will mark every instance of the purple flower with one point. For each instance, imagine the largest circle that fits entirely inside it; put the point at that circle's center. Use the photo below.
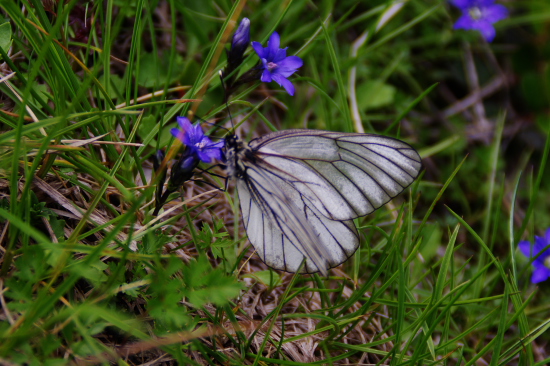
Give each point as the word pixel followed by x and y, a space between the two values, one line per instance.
pixel 480 15
pixel 542 261
pixel 275 64
pixel 198 145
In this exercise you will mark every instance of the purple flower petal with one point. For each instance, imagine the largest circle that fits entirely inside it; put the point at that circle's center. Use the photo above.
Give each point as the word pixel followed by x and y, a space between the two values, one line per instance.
pixel 462 4
pixel 214 151
pixel 289 66
pixel 186 130
pixel 526 248
pixel 266 76
pixel 177 133
pixel 540 274
pixel 539 245
pixel 495 13
pixel 193 136
pixel 206 150
pixel 184 123
pixel 536 248
pixel 273 45
pixel 464 22
pixel 482 3
pixel 285 83
pixel 204 156
pixel 280 55
pixel 257 46
pixel 466 4
pixel 486 29
pixel 217 145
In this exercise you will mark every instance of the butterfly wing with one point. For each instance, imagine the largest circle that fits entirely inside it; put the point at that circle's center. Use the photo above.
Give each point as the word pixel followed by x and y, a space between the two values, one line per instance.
pixel 344 175
pixel 302 188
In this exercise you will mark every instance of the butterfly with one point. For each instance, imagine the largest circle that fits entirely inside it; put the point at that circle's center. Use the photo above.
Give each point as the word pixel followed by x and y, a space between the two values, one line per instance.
pixel 300 190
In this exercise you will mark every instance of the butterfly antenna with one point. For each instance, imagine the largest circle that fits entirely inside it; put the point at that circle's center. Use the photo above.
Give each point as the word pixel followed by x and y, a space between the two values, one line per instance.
pixel 214 125
pixel 226 100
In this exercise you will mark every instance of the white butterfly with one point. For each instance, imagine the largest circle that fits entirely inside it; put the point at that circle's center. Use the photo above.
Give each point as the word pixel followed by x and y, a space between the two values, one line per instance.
pixel 300 190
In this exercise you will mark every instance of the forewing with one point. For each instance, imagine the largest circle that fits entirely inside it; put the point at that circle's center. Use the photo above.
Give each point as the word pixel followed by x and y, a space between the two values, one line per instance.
pixel 285 228
pixel 342 175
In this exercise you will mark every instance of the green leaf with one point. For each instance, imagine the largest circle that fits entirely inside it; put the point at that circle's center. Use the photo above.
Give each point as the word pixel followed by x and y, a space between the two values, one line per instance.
pixel 149 123
pixel 219 246
pixel 55 362
pixel 207 285
pixel 153 242
pixel 153 71
pixel 219 293
pixel 42 92
pixel 133 292
pixel 57 227
pixel 432 242
pixel 94 272
pixel 5 36
pixel 375 94
pixel 49 343
pixel 82 348
pixel 209 238
pixel 267 278
pixel 116 88
pixel 30 265
pixel 170 314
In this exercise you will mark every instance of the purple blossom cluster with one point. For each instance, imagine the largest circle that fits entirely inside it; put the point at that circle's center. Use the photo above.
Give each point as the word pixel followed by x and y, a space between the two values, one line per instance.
pixel 198 145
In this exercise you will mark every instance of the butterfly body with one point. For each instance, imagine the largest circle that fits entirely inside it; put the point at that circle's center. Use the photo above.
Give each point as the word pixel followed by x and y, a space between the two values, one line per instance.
pixel 301 189
pixel 236 154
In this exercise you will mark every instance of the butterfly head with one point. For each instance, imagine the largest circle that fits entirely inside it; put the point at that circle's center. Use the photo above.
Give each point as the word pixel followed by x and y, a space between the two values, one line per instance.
pixel 232 142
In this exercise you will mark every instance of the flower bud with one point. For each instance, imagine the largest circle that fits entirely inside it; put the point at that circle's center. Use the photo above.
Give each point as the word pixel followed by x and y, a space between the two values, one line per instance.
pixel 241 38
pixel 235 57
pixel 183 170
pixel 157 159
